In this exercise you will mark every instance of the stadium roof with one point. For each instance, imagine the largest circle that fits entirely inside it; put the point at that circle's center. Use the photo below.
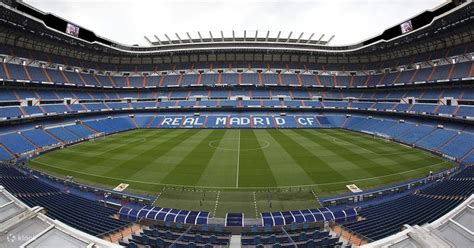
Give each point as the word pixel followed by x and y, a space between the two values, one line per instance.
pixel 352 21
pixel 242 36
pixel 444 26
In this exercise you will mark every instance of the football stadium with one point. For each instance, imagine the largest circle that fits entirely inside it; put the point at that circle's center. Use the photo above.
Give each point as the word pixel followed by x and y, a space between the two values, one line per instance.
pixel 237 139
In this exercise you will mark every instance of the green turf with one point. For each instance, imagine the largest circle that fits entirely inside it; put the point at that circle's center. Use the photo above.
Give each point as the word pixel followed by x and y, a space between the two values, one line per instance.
pixel 190 168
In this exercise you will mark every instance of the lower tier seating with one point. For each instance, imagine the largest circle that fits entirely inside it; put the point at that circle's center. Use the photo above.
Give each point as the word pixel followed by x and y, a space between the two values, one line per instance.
pixel 453 140
pixel 83 214
pixel 385 219
pixel 307 237
pixel 158 236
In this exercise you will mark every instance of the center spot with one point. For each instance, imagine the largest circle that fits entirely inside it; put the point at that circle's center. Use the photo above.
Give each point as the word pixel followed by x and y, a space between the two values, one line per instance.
pixel 233 145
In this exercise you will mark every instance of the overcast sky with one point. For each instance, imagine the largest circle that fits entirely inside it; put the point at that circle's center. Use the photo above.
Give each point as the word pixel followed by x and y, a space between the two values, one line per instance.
pixel 128 21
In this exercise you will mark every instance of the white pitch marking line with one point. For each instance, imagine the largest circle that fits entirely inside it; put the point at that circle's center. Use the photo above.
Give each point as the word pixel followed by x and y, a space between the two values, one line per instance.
pixel 158 196
pixel 255 204
pixel 217 203
pixel 238 162
pixel 228 187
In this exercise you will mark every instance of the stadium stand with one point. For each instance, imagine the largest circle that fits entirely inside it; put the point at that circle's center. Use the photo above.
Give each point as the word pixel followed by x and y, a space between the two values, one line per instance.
pixel 94 219
pixel 307 237
pixel 23 225
pixel 424 206
pixel 442 232
pixel 57 90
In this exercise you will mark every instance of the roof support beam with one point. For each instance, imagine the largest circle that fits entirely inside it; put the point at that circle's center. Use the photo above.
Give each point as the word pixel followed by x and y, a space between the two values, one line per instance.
pixel 148 40
pixel 212 38
pixel 289 36
pixel 158 39
pixel 167 37
pixel 299 38
pixel 179 38
pixel 189 36
pixel 320 38
pixel 330 39
pixel 310 37
pixel 200 37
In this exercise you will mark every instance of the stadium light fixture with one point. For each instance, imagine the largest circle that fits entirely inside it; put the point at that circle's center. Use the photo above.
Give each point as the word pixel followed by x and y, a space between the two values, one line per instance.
pixel 453 60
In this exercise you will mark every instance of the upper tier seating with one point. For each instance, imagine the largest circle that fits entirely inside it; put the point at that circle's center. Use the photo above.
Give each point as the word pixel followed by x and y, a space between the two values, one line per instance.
pixel 245 65
pixel 182 94
pixel 174 79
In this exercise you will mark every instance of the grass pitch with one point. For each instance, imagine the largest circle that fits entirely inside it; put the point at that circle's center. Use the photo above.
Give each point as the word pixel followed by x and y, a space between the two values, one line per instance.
pixel 248 171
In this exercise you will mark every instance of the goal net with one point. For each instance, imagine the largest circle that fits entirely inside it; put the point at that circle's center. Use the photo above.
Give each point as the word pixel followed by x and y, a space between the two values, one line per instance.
pixel 96 136
pixel 385 137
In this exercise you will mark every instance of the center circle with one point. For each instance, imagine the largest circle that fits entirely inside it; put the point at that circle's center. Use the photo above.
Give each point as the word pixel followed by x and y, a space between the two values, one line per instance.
pixel 233 145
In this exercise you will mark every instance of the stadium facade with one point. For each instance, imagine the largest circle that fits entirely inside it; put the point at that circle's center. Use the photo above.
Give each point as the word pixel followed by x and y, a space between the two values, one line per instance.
pixel 61 84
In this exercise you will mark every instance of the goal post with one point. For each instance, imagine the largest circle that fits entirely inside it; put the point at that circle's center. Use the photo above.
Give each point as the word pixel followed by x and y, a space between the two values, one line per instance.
pixel 95 136
pixel 385 137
